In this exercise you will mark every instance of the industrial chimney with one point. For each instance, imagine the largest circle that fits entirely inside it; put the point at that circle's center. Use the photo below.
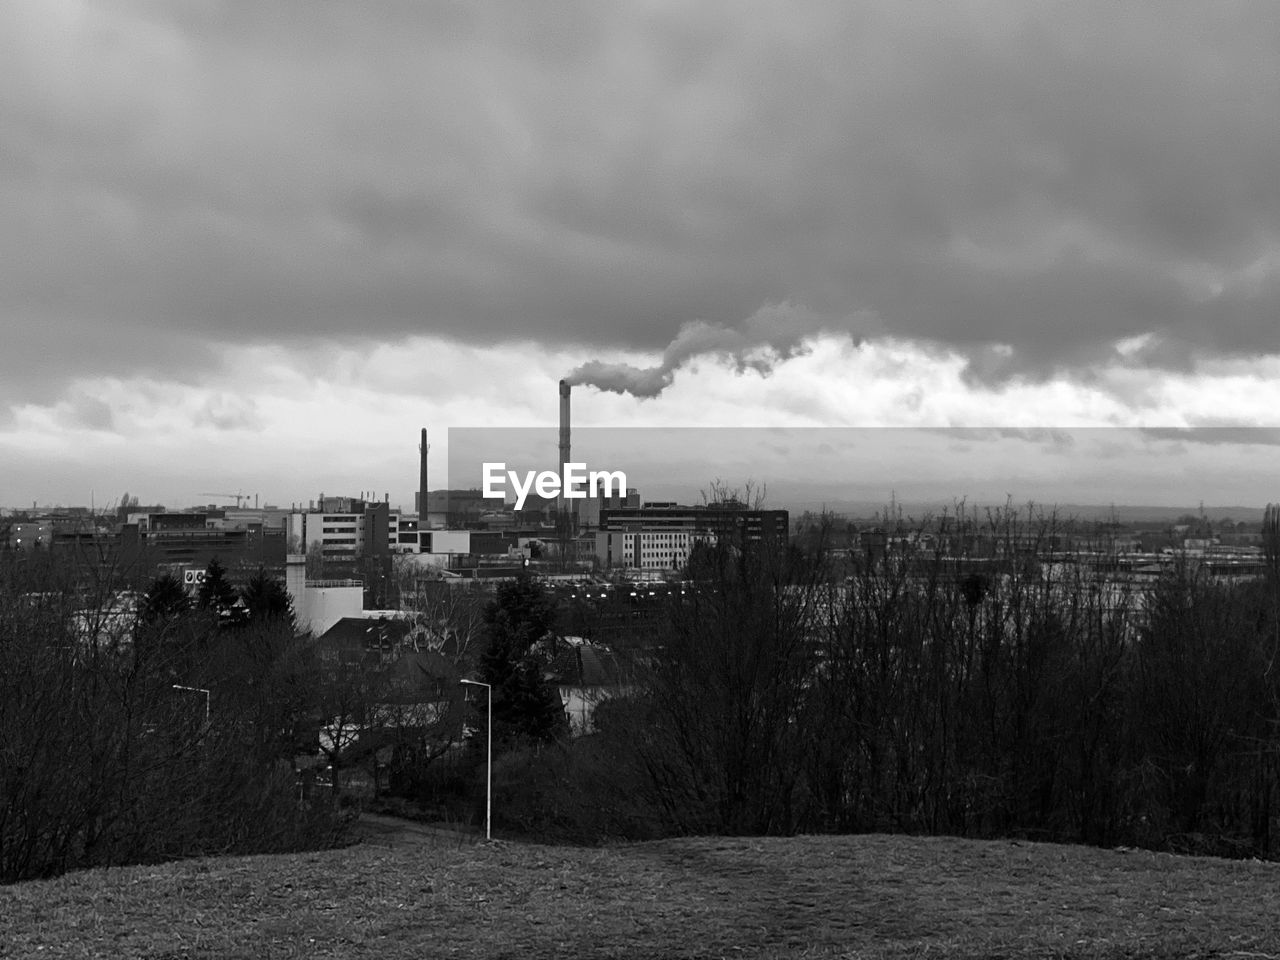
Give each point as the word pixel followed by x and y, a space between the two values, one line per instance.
pixel 423 447
pixel 561 506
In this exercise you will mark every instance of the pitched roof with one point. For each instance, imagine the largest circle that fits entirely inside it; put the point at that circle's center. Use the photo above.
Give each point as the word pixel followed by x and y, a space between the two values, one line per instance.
pixel 426 664
pixel 586 666
pixel 359 632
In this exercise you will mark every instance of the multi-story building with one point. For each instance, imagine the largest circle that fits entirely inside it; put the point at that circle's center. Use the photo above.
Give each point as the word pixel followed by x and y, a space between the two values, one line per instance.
pixel 344 528
pixel 661 536
pixel 590 509
pixel 192 539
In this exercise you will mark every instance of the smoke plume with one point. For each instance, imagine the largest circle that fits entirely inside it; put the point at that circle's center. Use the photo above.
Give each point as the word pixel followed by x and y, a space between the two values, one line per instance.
pixel 772 335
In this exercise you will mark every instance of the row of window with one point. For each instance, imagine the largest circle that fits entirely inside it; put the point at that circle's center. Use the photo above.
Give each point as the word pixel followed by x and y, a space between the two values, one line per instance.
pixel 348 528
pixel 392 522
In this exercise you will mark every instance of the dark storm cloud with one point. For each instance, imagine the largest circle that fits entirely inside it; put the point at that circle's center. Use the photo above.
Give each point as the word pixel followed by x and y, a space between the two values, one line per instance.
pixel 1042 175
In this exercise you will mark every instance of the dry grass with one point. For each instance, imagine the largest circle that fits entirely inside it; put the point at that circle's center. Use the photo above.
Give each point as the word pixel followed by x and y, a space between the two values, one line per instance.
pixel 414 893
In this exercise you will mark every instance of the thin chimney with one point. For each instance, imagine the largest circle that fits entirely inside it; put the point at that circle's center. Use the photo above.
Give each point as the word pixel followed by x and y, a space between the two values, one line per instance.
pixel 562 503
pixel 423 447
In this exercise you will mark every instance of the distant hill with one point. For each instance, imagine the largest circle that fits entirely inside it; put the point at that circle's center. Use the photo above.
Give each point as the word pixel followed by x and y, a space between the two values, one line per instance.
pixel 1124 513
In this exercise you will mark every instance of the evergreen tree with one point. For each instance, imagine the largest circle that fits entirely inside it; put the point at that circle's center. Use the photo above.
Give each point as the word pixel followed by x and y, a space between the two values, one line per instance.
pixel 218 596
pixel 163 619
pixel 525 706
pixel 165 599
pixel 266 600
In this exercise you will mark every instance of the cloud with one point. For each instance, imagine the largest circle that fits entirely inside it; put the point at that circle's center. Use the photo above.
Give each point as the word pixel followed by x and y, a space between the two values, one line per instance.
pixel 1043 177
pixel 268 419
pixel 1216 435
pixel 90 412
pixel 226 412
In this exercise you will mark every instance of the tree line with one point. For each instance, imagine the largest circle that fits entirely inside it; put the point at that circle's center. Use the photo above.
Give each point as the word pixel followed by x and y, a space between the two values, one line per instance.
pixel 780 690
pixel 142 722
pixel 799 692
pixel 143 731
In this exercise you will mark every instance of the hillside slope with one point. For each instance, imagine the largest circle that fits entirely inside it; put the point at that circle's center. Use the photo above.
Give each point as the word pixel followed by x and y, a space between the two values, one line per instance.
pixel 416 894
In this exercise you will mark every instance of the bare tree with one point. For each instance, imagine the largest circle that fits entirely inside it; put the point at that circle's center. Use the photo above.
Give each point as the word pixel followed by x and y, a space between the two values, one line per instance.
pixel 725 734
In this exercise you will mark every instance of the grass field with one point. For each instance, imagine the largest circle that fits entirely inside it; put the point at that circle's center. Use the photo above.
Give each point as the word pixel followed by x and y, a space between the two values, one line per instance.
pixel 408 892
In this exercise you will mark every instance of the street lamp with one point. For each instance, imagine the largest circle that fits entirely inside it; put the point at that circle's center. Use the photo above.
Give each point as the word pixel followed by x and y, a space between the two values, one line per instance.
pixel 178 686
pixel 488 777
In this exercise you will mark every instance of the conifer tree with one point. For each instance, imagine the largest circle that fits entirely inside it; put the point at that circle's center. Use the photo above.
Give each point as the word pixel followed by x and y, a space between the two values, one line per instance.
pixel 266 599
pixel 525 706
pixel 217 595
pixel 165 598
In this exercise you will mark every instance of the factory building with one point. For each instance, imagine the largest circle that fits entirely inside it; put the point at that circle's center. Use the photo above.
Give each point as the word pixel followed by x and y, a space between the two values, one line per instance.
pixel 193 539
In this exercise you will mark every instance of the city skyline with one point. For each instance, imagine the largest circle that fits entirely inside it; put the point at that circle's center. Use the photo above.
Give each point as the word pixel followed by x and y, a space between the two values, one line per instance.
pixel 1086 471
pixel 257 247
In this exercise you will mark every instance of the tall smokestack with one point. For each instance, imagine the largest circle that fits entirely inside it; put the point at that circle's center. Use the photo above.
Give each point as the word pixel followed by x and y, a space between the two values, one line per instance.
pixel 564 441
pixel 423 447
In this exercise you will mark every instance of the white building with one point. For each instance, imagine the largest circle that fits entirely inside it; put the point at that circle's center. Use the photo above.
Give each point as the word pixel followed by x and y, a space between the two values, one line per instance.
pixel 319 604
pixel 656 547
pixel 341 534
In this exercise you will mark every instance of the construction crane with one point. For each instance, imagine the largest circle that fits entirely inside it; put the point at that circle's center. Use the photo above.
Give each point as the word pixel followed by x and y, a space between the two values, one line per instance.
pixel 237 497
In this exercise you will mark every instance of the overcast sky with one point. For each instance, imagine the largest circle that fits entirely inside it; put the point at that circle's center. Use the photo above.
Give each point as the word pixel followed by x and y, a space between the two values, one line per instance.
pixel 256 245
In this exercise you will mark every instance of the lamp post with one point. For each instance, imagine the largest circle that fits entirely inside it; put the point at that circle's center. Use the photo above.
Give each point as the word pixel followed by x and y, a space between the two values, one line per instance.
pixel 178 686
pixel 488 775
